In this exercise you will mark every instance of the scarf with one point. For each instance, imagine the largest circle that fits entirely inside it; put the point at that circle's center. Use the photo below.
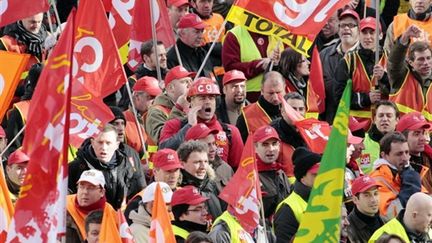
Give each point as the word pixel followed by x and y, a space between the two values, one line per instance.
pixel 87 209
pixel 261 166
pixel 33 42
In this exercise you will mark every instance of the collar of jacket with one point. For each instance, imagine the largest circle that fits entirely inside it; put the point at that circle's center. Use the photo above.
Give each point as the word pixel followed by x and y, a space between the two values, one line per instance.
pixel 272 111
pixel 302 190
pixel 374 134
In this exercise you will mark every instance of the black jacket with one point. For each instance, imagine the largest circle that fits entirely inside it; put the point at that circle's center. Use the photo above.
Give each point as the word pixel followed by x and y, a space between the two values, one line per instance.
pixel 208 189
pixel 361 226
pixel 121 178
pixel 285 224
pixel 273 111
pixel 275 188
pixel 288 133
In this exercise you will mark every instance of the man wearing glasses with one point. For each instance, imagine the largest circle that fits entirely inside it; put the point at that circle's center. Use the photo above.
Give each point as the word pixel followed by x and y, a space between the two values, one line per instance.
pixel 190 212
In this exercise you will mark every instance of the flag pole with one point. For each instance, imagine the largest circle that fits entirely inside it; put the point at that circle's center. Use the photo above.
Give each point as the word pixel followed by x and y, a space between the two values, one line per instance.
pixel 57 16
pixel 211 49
pixel 13 140
pixel 134 111
pixel 154 36
pixel 277 48
pixel 377 30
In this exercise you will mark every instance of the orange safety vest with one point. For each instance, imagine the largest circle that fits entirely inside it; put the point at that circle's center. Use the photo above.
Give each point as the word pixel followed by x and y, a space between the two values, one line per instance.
pixel 401 22
pixel 23 108
pixel 285 156
pixel 362 83
pixel 311 99
pixel 255 117
pixel 214 23
pixel 410 97
pixel 131 132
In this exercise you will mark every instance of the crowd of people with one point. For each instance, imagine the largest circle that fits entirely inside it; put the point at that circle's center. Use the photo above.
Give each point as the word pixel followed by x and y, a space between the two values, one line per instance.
pixel 194 128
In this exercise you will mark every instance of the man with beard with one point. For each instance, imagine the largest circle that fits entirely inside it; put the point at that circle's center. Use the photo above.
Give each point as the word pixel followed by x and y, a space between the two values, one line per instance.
pixel 123 179
pixel 415 128
pixel 200 132
pixel 384 121
pixel 364 219
pixel 194 157
pixel 202 95
pixel 266 109
pixel 15 172
pixel 234 97
pixel 190 212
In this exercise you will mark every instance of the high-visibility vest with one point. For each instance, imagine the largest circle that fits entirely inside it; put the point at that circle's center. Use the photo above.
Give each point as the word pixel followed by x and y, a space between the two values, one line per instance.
pixel 23 108
pixel 180 232
pixel 214 23
pixel 370 154
pixel 249 52
pixel 392 227
pixel 410 97
pixel 296 203
pixel 401 22
pixel 311 99
pixel 255 117
pixel 235 229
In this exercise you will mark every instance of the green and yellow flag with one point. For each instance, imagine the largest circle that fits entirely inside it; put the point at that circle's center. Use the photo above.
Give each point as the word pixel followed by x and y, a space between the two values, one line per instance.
pixel 320 222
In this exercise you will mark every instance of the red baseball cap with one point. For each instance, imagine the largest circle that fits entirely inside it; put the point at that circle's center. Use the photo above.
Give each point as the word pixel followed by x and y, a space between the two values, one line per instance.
pixel 412 121
pixel 362 184
pixel 187 195
pixel 177 3
pixel 149 85
pixel 314 169
pixel 264 133
pixel 166 159
pixel 199 131
pixel 203 86
pixel 177 72
pixel 233 75
pixel 350 13
pixel 355 125
pixel 2 132
pixel 18 157
pixel 368 22
pixel 191 20
pixel 353 139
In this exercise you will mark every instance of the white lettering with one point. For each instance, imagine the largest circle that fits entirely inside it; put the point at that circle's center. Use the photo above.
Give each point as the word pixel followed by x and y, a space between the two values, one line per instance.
pixel 123 9
pixel 94 44
pixel 81 124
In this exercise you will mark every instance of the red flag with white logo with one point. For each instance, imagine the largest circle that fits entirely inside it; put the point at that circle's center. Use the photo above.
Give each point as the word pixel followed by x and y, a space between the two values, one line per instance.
pixel 41 208
pixel 142 30
pixel 13 10
pixel 315 133
pixel 243 191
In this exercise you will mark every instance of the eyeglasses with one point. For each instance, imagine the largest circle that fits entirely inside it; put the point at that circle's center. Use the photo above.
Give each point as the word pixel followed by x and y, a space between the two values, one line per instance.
pixel 349 25
pixel 198 209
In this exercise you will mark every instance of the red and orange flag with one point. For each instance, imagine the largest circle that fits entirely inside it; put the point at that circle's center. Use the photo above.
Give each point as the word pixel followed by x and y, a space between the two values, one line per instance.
pixel 6 207
pixel 11 66
pixel 114 228
pixel 160 229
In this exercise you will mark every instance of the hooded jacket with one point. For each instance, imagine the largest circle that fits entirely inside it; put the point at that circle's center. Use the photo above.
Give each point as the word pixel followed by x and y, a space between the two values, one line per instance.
pixel 141 224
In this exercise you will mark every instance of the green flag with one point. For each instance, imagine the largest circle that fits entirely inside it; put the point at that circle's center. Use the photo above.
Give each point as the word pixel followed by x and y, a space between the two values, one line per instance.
pixel 320 223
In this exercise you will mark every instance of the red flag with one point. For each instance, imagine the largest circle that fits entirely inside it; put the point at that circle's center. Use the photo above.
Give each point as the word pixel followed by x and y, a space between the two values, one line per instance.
pixel 142 30
pixel 243 191
pixel 316 83
pixel 6 207
pixel 13 10
pixel 11 66
pixel 315 133
pixel 125 232
pixel 160 228
pixel 41 208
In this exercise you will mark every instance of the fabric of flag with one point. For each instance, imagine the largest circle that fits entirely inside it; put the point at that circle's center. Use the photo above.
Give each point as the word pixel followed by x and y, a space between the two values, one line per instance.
pixel 6 207
pixel 295 23
pixel 142 29
pixel 13 10
pixel 114 228
pixel 41 207
pixel 321 221
pixel 160 228
pixel 243 191
pixel 11 66
pixel 316 83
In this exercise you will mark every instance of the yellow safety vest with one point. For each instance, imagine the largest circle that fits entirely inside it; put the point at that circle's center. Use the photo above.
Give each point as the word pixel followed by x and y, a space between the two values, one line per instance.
pixel 233 226
pixel 180 232
pixel 391 227
pixel 296 203
pixel 372 149
pixel 249 52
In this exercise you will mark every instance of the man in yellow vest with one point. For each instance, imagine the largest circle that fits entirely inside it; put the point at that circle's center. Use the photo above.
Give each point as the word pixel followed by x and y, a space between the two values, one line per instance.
pixel 419 14
pixel 90 196
pixel 15 172
pixel 266 109
pixel 290 211
pixel 190 212
pixel 413 223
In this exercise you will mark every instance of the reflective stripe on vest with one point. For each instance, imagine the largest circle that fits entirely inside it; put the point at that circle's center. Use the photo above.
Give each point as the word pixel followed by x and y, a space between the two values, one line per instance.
pixel 23 109
pixel 233 226
pixel 296 203
pixel 249 52
pixel 180 232
pixel 391 227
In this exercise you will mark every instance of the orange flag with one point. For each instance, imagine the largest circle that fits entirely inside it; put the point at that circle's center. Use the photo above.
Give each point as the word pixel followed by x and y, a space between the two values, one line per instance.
pixel 11 66
pixel 160 229
pixel 6 207
pixel 111 232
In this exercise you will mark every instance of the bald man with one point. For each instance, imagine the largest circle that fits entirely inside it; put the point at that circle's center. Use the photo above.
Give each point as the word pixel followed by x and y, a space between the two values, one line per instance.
pixel 413 223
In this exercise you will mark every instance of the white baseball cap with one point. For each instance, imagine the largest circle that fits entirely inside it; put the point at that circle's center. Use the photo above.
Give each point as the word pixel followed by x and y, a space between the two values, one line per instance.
pixel 93 176
pixel 149 192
